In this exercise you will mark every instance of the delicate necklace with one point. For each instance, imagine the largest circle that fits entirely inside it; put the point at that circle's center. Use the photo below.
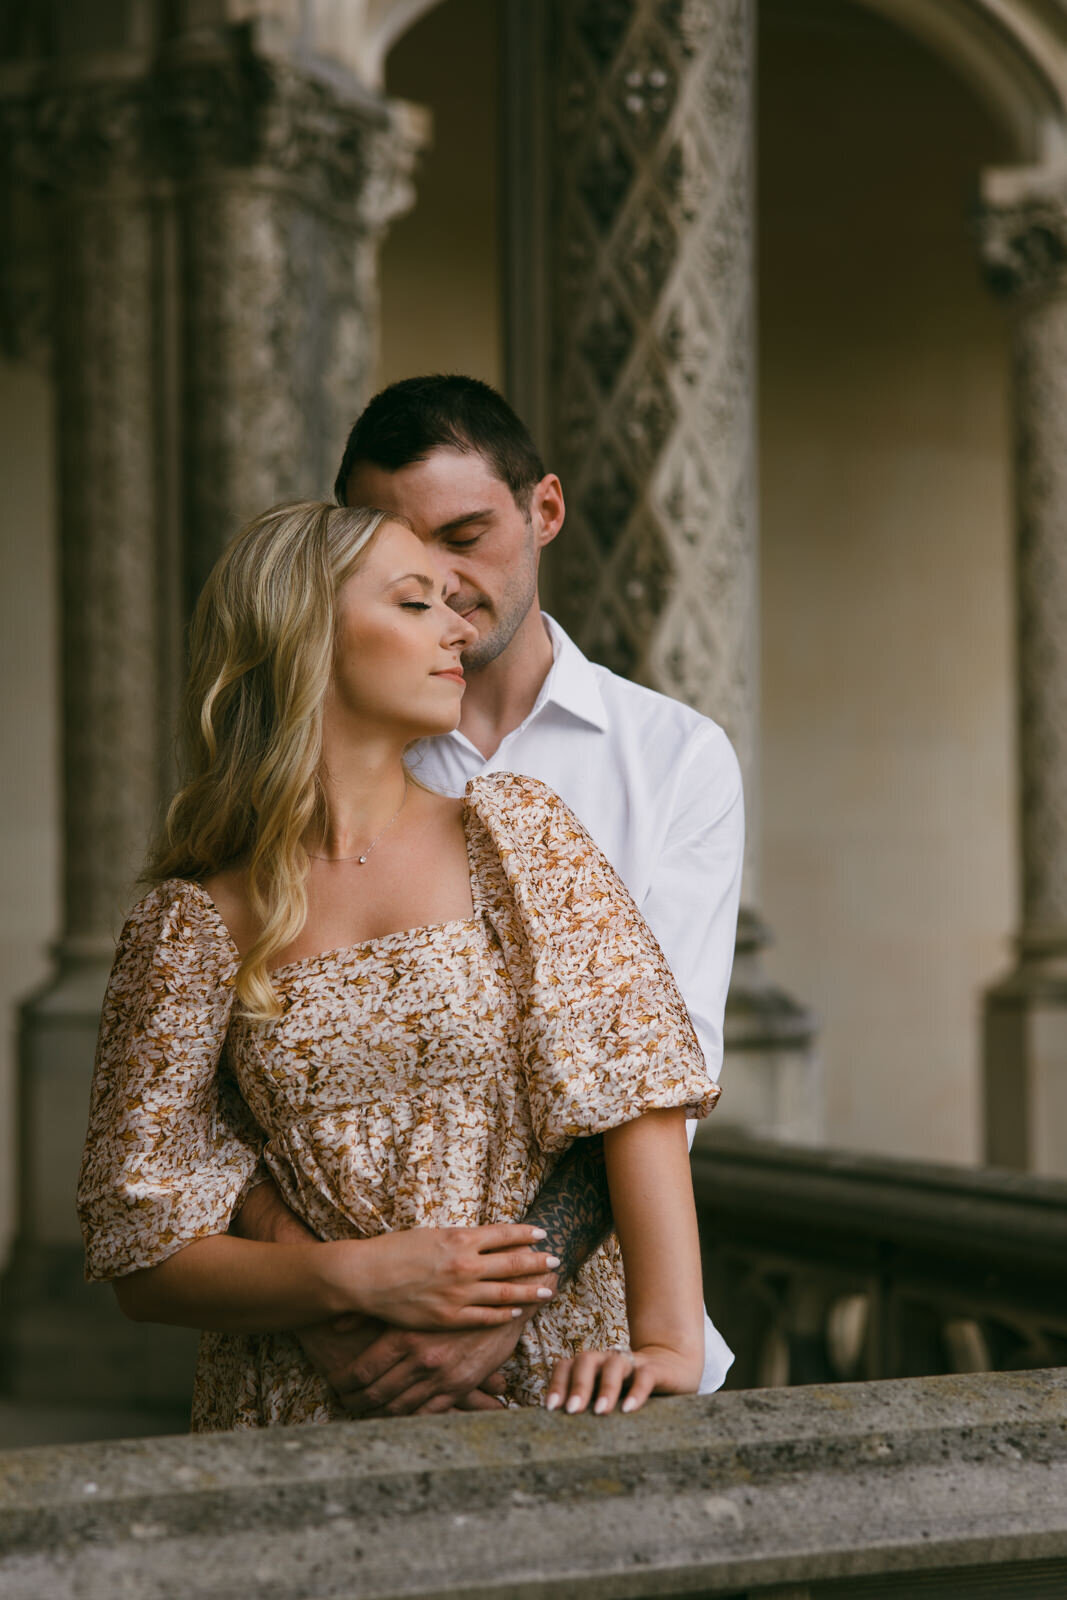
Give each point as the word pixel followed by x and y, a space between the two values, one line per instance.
pixel 361 859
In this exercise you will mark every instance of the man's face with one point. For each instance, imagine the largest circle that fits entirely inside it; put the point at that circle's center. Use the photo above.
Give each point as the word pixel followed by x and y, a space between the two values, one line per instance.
pixel 485 550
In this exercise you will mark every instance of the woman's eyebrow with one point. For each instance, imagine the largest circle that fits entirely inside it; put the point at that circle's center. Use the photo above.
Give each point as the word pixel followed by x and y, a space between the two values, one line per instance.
pixel 421 578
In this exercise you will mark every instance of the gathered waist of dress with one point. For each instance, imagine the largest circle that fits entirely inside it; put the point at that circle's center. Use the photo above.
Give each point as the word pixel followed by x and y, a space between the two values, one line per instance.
pixel 432 1159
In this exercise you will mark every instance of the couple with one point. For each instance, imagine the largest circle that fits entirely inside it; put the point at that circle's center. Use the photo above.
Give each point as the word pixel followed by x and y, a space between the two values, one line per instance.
pixel 387 991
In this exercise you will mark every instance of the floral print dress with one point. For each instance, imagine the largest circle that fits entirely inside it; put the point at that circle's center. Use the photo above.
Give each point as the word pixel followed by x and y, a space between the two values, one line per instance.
pixel 430 1077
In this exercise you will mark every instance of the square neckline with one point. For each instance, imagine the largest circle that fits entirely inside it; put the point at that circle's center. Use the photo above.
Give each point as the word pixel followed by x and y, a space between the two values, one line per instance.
pixel 340 950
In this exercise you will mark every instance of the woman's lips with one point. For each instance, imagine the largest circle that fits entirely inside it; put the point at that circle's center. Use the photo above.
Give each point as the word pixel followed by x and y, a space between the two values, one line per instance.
pixel 455 673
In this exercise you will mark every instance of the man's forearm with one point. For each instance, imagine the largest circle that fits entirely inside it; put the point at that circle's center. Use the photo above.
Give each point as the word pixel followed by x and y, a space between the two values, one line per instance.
pixel 574 1206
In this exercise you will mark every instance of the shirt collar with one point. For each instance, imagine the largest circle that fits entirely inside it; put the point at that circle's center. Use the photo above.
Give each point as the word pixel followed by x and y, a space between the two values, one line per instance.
pixel 572 680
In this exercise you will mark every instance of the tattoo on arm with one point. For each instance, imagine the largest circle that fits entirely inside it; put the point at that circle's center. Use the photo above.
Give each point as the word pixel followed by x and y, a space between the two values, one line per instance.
pixel 574 1206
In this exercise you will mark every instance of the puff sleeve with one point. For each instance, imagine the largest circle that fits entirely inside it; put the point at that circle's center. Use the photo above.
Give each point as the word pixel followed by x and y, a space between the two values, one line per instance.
pixel 605 1033
pixel 171 1148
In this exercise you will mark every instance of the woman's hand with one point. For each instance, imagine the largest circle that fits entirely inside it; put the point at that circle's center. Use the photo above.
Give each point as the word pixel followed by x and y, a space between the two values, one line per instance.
pixel 442 1277
pixel 607 1374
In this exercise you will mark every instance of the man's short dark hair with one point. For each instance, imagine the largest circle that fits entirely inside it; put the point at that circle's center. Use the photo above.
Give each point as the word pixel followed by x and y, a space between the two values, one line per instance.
pixel 409 419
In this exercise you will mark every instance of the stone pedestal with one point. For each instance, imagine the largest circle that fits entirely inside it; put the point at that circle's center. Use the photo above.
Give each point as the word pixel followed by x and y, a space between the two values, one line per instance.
pixel 1025 252
pixel 652 400
pixel 213 211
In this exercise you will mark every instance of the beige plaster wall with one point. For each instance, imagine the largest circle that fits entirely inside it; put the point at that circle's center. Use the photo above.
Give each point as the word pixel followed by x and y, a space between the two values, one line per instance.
pixel 440 265
pixel 888 805
pixel 29 737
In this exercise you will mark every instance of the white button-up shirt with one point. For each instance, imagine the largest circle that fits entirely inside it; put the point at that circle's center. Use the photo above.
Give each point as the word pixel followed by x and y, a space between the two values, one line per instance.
pixel 659 788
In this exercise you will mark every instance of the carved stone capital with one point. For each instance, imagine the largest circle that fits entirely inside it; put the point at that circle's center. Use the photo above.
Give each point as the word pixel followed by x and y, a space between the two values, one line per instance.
pixel 229 112
pixel 1023 232
pixel 241 111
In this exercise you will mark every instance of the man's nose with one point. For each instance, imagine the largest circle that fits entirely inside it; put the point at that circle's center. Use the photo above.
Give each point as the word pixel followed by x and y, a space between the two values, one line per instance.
pixel 460 632
pixel 444 572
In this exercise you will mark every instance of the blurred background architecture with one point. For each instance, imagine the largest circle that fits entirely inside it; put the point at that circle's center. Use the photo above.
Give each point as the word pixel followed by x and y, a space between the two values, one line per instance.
pixel 667 232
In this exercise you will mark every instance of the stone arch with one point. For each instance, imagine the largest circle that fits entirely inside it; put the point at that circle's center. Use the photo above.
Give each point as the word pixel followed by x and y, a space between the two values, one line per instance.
pixel 1012 52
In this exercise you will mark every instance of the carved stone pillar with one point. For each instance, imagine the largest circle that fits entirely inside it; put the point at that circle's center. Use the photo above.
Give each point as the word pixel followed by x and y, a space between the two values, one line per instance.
pixel 1025 252
pixel 652 396
pixel 214 215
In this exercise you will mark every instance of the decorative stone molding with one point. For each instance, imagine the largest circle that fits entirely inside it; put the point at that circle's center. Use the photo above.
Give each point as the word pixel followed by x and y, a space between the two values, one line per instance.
pixel 652 377
pixel 1024 242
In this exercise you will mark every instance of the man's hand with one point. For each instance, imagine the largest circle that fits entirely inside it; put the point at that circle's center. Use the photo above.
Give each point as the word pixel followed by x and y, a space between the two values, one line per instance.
pixel 401 1372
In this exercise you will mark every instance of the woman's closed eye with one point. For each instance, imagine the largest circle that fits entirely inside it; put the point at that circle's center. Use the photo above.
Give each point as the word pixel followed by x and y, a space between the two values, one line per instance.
pixel 414 605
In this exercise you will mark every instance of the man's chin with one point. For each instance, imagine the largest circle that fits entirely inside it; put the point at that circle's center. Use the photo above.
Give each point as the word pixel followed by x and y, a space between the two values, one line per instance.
pixel 484 649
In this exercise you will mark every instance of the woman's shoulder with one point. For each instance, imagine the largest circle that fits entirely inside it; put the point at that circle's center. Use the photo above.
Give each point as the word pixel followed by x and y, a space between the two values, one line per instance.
pixel 177 914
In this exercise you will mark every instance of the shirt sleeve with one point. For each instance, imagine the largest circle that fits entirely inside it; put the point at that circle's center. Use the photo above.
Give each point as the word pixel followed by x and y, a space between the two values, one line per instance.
pixel 172 1148
pixel 695 890
pixel 605 1033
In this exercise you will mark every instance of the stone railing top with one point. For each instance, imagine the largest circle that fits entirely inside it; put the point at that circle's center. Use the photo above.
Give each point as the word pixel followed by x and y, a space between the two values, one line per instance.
pixel 715 1494
pixel 994 1215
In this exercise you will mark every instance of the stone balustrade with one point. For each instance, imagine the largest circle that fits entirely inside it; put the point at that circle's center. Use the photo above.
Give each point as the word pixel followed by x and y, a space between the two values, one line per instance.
pixel 947 1486
pixel 823 1265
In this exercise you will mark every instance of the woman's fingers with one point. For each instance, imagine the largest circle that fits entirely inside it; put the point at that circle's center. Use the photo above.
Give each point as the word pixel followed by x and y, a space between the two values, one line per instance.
pixel 617 1369
pixel 584 1372
pixel 641 1386
pixel 595 1379
pixel 505 1235
pixel 558 1384
pixel 515 1264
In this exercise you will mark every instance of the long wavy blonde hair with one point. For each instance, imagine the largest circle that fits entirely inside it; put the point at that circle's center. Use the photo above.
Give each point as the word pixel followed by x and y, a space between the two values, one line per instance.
pixel 261 654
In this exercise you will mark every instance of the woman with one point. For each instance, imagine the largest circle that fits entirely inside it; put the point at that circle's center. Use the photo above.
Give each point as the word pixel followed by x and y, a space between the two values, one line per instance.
pixel 400 1006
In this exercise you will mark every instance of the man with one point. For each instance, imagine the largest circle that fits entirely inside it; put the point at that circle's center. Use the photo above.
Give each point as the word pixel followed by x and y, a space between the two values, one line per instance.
pixel 656 784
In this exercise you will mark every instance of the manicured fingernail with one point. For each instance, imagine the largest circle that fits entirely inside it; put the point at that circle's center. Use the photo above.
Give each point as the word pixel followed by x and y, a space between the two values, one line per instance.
pixel 629 1405
pixel 552 1261
pixel 553 1402
pixel 600 1407
pixel 517 1311
pixel 539 1233
pixel 574 1403
pixel 544 1294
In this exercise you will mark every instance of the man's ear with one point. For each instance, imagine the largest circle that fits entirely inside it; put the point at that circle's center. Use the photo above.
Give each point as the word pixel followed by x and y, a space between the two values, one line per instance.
pixel 547 509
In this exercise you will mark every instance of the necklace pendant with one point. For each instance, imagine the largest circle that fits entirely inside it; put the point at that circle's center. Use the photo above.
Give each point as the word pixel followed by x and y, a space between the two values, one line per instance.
pixel 361 860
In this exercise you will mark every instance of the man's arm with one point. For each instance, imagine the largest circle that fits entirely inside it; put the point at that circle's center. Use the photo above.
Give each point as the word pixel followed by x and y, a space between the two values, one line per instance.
pixel 375 1368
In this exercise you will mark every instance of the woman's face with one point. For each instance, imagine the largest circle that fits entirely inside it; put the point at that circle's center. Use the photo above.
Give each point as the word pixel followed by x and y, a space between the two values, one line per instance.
pixel 396 664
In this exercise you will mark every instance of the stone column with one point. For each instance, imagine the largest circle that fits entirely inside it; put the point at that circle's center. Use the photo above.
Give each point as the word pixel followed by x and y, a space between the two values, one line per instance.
pixel 652 395
pixel 86 147
pixel 1025 253
pixel 214 218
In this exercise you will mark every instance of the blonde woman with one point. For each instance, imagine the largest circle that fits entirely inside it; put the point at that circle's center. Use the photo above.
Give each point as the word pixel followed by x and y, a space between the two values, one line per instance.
pixel 401 1007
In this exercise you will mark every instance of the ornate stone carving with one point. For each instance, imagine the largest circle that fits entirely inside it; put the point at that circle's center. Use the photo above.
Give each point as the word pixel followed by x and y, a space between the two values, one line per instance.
pixel 652 280
pixel 1024 244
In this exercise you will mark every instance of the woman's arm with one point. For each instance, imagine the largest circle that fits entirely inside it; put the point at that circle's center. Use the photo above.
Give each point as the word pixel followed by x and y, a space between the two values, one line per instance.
pixel 651 1190
pixel 418 1278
